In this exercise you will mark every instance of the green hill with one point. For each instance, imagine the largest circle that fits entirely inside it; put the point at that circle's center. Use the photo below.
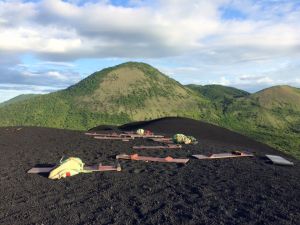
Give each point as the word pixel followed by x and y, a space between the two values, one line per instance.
pixel 220 96
pixel 271 116
pixel 18 98
pixel 116 95
pixel 218 92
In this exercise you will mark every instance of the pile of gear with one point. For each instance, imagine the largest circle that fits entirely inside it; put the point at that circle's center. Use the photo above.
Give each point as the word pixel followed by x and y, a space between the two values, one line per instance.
pixel 144 132
pixel 68 167
pixel 183 139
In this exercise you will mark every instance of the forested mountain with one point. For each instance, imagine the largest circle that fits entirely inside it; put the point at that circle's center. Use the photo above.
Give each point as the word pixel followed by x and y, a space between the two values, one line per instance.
pixel 116 95
pixel 136 91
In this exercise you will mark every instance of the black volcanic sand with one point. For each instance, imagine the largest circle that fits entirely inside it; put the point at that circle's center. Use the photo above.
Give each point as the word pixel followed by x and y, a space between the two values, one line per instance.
pixel 226 191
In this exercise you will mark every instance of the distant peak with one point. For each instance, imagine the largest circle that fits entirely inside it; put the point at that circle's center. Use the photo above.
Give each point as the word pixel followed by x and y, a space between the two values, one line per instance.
pixel 282 87
pixel 134 64
pixel 278 88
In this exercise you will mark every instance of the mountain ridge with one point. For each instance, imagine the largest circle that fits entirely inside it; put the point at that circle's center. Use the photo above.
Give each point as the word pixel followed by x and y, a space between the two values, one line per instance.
pixel 137 91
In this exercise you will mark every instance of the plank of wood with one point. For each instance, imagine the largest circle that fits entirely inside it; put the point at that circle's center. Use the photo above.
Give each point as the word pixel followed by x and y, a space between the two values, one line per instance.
pixel 113 138
pixel 163 140
pixel 152 159
pixel 170 146
pixel 223 155
pixel 94 168
pixel 103 134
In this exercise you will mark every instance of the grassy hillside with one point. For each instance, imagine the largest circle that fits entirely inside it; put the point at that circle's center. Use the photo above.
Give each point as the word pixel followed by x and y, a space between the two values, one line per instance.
pixel 271 116
pixel 218 92
pixel 220 96
pixel 138 90
pixel 18 98
pixel 116 95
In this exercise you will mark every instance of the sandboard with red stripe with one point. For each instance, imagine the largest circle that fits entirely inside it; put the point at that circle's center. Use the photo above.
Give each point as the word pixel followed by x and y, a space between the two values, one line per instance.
pixel 167 159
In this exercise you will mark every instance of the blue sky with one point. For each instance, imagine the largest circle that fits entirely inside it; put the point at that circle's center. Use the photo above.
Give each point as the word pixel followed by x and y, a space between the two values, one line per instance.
pixel 48 45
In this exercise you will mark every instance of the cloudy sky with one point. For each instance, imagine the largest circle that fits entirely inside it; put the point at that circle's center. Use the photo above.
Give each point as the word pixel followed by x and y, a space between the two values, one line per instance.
pixel 46 45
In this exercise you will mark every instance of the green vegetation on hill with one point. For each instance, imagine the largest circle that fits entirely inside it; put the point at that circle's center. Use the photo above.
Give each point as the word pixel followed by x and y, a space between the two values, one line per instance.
pixel 220 96
pixel 136 91
pixel 271 116
pixel 116 95
pixel 218 92
pixel 18 98
pixel 139 91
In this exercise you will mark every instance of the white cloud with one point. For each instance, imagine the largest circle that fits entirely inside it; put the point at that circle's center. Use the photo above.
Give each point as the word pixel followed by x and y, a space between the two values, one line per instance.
pixel 61 64
pixel 222 81
pixel 57 75
pixel 38 40
pixel 56 28
pixel 14 13
pixel 265 80
pixel 254 80
pixel 61 27
pixel 250 78
pixel 29 74
pixel 193 33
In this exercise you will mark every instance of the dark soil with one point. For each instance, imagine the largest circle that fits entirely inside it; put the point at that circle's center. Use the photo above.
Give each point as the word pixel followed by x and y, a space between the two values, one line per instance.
pixel 225 191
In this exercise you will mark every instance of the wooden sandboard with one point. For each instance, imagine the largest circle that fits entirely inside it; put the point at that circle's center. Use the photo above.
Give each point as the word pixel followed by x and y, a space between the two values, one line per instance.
pixel 146 135
pixel 95 168
pixel 224 155
pixel 169 146
pixel 153 136
pixel 141 136
pixel 102 134
pixel 163 140
pixel 113 138
pixel 40 169
pixel 152 159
